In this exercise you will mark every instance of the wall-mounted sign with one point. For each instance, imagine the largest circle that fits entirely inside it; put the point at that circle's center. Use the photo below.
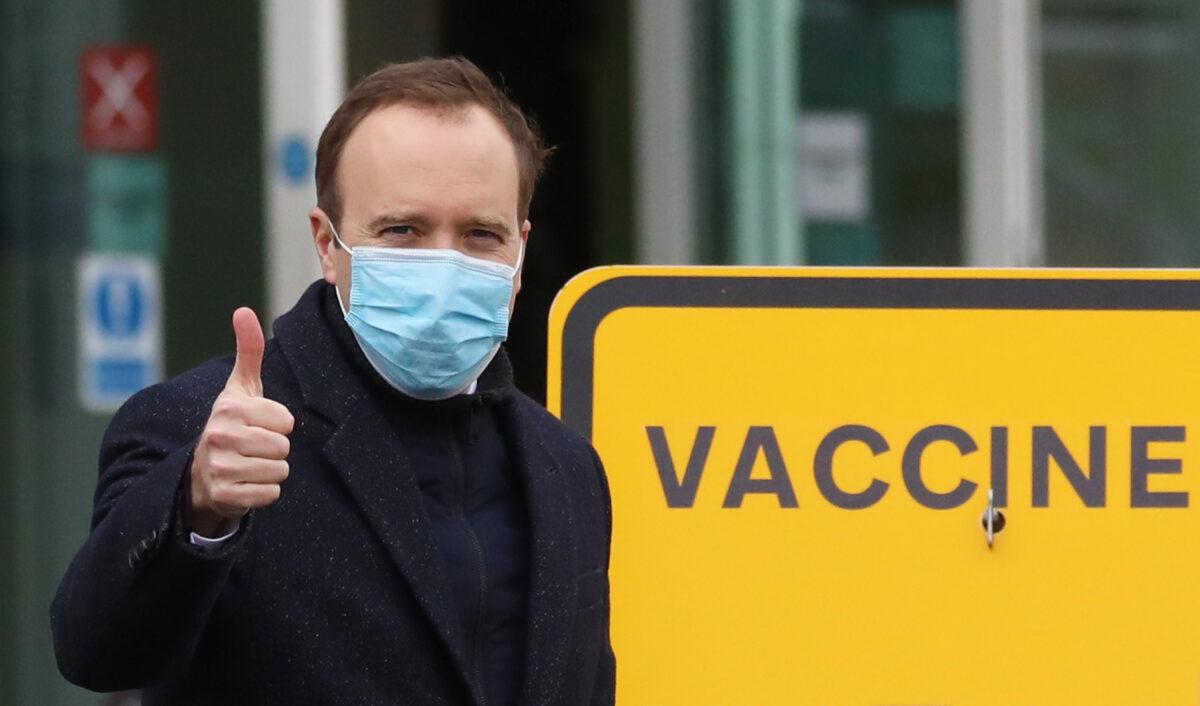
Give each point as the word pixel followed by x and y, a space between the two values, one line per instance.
pixel 126 204
pixel 295 164
pixel 120 329
pixel 119 85
pixel 801 463
pixel 835 166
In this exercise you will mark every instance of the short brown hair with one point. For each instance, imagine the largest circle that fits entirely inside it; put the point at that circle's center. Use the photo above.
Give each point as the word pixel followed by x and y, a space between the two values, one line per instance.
pixel 449 84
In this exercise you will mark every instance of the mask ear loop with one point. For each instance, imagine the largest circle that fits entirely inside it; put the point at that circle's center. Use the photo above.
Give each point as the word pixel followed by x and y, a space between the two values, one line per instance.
pixel 350 251
pixel 520 260
pixel 339 240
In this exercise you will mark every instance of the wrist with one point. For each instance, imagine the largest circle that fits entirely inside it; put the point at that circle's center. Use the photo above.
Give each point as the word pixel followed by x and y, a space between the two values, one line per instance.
pixel 201 517
pixel 207 523
pixel 199 540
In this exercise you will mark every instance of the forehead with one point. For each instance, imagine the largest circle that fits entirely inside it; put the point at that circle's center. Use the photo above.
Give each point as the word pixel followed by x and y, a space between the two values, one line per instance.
pixel 415 157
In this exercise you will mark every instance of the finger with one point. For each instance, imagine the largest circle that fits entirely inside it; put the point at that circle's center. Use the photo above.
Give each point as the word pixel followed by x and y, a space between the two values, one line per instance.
pixel 234 498
pixel 256 442
pixel 267 414
pixel 247 367
pixel 261 470
pixel 252 495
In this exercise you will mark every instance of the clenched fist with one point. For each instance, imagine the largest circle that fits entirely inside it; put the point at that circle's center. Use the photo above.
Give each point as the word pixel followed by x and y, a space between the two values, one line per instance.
pixel 240 459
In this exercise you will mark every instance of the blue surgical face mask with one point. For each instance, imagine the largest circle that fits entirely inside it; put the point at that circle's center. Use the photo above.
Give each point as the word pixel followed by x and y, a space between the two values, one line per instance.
pixel 429 321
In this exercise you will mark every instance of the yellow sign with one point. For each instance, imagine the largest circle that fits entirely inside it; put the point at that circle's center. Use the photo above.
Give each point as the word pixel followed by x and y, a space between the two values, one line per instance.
pixel 801 462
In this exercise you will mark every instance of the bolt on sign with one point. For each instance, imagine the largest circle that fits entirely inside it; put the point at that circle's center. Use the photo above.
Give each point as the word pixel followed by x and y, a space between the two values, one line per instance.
pixel 119 86
pixel 884 486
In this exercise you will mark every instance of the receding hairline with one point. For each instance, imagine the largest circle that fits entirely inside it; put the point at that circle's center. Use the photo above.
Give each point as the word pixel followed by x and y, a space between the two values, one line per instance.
pixel 458 113
pixel 444 86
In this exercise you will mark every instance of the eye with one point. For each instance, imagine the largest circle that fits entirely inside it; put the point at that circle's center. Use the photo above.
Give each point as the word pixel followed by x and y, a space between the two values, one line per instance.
pixel 484 234
pixel 398 230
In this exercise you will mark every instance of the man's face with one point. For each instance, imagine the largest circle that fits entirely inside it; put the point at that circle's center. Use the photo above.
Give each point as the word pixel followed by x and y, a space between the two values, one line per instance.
pixel 410 177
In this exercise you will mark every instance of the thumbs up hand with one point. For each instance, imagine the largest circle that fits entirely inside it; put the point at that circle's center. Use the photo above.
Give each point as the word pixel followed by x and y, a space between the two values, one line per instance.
pixel 240 459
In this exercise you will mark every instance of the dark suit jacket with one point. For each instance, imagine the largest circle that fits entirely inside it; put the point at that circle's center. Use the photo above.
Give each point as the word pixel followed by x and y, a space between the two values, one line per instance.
pixel 335 593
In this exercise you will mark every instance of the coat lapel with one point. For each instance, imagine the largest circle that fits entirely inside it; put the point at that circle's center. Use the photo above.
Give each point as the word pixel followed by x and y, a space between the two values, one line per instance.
pixel 365 452
pixel 552 582
pixel 368 456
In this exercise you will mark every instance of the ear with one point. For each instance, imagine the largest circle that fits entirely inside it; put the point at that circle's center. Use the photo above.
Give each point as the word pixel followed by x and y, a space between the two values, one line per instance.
pixel 318 221
pixel 525 228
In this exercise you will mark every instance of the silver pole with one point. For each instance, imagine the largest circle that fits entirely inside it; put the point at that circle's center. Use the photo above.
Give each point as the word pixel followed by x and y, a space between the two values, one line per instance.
pixel 663 137
pixel 1002 136
pixel 304 71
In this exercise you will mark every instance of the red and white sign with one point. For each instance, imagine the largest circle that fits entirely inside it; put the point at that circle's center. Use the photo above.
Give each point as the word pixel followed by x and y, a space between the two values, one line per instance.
pixel 120 98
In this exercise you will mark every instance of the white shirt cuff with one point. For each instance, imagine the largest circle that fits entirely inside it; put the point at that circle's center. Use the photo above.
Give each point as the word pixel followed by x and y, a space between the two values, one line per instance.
pixel 214 542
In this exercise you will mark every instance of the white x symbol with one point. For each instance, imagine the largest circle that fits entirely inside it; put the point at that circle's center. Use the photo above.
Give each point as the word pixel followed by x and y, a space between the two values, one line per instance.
pixel 117 92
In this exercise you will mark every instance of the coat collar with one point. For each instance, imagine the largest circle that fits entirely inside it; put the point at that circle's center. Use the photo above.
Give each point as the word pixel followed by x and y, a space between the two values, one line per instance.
pixel 338 383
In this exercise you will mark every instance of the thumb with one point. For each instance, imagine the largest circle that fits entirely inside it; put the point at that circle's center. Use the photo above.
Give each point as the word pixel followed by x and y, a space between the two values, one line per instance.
pixel 247 368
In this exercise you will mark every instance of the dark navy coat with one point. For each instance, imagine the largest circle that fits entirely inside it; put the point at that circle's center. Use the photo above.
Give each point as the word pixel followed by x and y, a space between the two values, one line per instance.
pixel 336 593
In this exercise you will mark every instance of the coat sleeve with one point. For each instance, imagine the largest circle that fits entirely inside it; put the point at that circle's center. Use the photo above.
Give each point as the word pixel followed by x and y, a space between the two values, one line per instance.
pixel 604 691
pixel 137 595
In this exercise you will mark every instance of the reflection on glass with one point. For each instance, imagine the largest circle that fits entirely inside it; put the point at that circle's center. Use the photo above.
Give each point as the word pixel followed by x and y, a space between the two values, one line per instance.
pixel 1121 135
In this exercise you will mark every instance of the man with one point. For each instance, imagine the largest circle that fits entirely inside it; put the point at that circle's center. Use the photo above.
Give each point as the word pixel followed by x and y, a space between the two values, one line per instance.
pixel 363 509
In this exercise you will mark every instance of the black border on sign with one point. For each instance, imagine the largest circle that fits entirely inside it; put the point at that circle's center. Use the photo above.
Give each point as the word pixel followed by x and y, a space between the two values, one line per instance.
pixel 585 317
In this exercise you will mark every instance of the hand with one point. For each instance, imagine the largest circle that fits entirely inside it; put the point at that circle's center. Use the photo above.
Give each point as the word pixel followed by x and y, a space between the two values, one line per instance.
pixel 240 459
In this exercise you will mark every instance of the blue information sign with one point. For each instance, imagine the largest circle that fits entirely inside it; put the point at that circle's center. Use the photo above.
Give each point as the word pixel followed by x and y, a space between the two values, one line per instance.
pixel 120 337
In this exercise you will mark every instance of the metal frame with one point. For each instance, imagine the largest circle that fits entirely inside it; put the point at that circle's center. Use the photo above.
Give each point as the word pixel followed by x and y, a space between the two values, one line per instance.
pixel 1002 135
pixel 764 108
pixel 304 72
pixel 663 136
